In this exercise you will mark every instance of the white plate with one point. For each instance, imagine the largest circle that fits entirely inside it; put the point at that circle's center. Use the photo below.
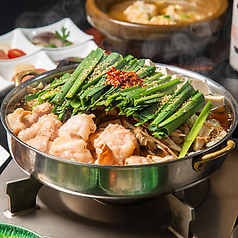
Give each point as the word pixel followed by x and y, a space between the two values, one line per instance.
pixel 42 57
pixel 7 69
pixel 17 40
pixel 76 36
pixel 80 51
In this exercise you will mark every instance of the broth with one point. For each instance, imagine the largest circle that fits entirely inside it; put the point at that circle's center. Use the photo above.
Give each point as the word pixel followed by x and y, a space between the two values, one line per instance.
pixel 158 12
pixel 222 115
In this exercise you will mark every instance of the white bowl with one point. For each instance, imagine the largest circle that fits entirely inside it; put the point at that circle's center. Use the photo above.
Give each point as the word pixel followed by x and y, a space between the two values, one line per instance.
pixel 78 51
pixel 42 57
pixel 17 40
pixel 7 69
pixel 76 36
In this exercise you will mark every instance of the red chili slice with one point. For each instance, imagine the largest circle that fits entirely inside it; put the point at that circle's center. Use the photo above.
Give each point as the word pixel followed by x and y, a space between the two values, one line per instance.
pixel 124 79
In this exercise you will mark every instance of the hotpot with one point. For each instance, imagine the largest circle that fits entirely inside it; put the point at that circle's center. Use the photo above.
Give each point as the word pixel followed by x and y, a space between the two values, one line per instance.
pixel 161 43
pixel 116 182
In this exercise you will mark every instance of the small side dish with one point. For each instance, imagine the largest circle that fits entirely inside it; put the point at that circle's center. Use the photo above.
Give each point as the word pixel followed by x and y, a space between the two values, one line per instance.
pixel 53 40
pixel 6 52
pixel 9 69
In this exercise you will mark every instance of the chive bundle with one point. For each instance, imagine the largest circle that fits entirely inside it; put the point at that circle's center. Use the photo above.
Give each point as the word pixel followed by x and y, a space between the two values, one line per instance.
pixel 157 102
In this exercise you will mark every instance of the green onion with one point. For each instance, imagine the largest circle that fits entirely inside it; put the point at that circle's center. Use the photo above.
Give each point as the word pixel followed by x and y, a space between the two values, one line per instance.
pixel 195 129
pixel 85 72
pixel 60 96
pixel 180 96
pixel 193 105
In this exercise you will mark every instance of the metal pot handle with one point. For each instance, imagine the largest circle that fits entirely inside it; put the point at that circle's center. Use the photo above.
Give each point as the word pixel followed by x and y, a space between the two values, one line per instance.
pixel 199 163
pixel 19 77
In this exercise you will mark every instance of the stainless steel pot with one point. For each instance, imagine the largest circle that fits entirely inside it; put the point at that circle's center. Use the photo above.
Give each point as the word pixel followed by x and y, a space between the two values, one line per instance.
pixel 116 182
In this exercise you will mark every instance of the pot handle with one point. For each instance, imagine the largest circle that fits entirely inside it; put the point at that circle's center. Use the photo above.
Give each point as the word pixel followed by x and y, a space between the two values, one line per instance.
pixel 19 77
pixel 199 163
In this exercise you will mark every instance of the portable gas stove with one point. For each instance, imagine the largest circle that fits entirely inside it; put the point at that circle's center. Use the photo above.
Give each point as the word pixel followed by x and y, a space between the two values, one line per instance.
pixel 208 209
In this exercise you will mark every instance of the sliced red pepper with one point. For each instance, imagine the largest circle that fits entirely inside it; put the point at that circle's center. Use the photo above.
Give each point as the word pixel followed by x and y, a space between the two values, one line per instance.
pixel 14 53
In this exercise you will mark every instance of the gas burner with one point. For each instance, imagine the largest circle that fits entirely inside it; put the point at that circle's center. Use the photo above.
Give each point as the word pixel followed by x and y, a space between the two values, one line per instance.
pixel 55 219
pixel 22 196
pixel 173 211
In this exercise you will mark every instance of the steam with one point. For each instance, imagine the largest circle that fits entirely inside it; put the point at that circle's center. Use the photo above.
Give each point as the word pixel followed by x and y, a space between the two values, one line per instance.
pixel 51 13
pixel 181 48
pixel 186 48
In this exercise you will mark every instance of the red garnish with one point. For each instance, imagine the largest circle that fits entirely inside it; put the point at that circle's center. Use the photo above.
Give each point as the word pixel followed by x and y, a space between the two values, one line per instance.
pixel 15 53
pixel 124 79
